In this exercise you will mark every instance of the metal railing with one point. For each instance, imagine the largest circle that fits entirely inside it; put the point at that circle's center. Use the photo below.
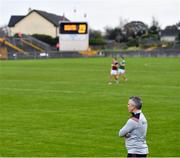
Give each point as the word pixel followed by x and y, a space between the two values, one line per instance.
pixel 39 43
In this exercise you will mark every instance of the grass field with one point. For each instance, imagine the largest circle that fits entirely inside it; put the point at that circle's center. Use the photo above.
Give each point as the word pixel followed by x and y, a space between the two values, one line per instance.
pixel 64 107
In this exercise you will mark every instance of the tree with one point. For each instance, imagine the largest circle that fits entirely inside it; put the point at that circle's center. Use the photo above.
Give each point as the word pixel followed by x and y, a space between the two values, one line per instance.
pixel 155 27
pixel 178 37
pixel 135 29
pixel 122 22
pixel 114 34
pixel 133 42
pixel 95 34
pixel 96 38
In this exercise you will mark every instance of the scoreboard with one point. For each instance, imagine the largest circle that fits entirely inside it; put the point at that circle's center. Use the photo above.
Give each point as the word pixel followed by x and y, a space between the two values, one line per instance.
pixel 73 36
pixel 73 28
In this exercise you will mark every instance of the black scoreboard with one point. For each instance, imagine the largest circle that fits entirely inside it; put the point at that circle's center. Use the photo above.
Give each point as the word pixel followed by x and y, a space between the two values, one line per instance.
pixel 73 28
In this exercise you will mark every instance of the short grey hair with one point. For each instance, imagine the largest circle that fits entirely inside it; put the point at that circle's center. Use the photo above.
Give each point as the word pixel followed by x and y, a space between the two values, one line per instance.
pixel 137 101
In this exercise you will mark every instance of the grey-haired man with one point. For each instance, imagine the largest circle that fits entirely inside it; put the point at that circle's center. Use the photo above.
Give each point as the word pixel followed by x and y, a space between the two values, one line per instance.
pixel 134 131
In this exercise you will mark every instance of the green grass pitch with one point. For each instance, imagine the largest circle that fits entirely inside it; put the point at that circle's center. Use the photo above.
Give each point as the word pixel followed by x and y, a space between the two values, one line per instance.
pixel 64 107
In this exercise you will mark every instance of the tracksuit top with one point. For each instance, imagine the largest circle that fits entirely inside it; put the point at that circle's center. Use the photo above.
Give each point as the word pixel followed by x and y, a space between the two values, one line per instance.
pixel 134 132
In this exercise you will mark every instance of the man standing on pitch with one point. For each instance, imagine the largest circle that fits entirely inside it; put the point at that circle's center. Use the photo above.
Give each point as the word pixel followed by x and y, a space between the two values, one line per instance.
pixel 134 131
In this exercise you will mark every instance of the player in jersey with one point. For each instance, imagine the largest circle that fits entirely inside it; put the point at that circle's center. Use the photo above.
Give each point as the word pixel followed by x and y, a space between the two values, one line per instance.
pixel 121 69
pixel 114 71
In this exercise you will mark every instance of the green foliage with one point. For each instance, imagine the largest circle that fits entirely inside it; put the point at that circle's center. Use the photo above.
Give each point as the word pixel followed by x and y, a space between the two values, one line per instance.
pixel 47 39
pixel 155 27
pixel 97 41
pixel 95 34
pixel 16 35
pixel 149 40
pixel 153 30
pixel 178 37
pixel 96 38
pixel 114 34
pixel 136 34
pixel 133 42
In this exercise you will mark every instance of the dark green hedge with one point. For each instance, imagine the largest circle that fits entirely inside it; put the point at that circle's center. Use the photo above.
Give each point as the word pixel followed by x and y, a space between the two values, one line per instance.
pixel 47 39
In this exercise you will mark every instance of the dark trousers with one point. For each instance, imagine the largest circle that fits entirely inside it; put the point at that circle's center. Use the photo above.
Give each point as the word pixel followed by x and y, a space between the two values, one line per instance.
pixel 136 155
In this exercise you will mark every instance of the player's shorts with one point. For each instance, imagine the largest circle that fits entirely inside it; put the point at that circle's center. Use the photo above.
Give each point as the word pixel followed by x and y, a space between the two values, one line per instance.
pixel 121 71
pixel 114 72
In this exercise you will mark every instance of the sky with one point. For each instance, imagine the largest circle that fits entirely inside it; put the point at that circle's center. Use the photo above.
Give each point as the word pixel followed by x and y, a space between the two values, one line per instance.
pixel 99 13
